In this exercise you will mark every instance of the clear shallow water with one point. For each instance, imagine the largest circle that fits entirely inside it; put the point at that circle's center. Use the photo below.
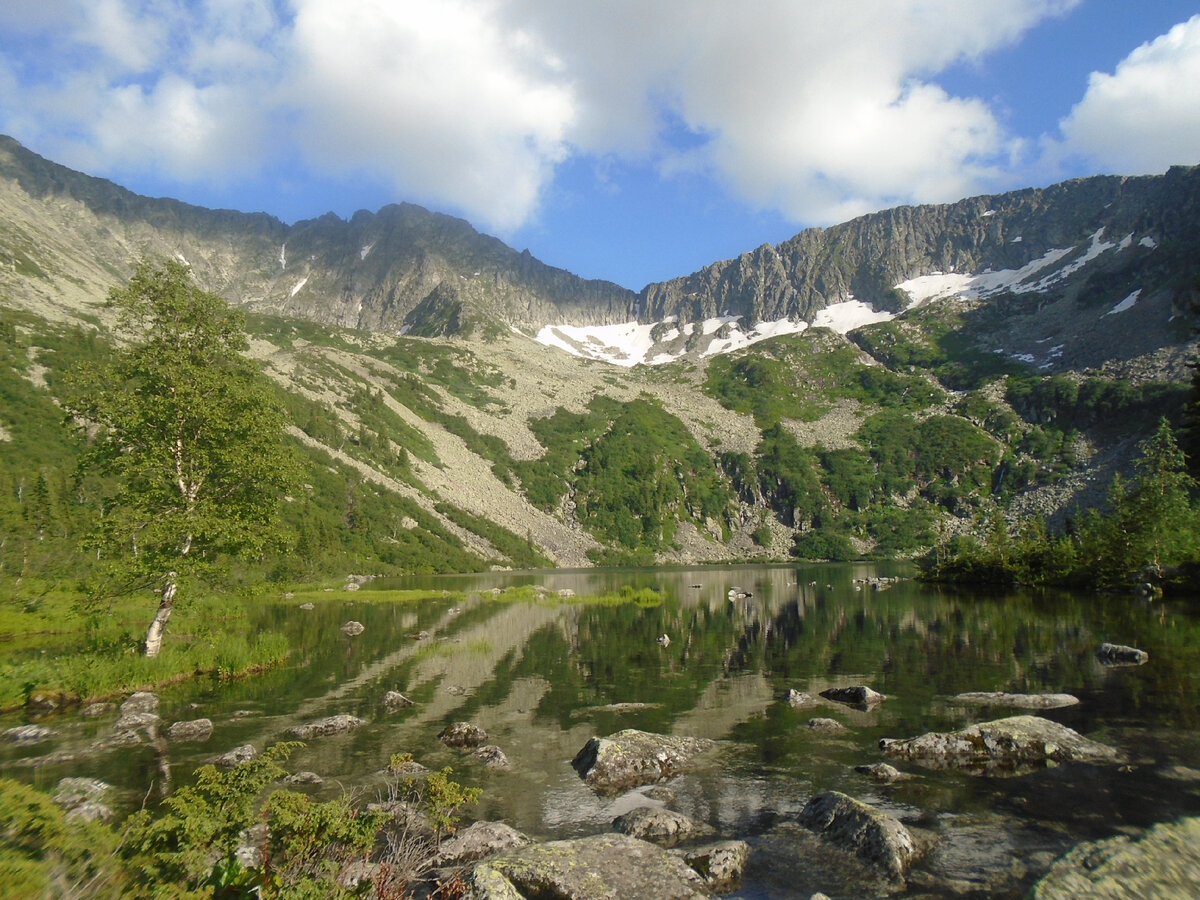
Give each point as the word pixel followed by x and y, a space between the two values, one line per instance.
pixel 542 678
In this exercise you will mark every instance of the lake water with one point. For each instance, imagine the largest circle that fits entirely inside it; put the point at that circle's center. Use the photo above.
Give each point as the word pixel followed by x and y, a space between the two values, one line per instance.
pixel 543 676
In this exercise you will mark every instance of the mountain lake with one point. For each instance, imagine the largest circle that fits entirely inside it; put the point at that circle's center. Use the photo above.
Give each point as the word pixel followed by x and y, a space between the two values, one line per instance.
pixel 544 669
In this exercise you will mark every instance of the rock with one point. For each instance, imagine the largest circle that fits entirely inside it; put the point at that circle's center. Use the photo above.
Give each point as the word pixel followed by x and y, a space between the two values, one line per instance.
pixel 352 628
pixel 1018 701
pixel 140 702
pixel 303 777
pixel 481 839
pixel 90 811
pixel 71 793
pixel 661 826
pixel 856 695
pixel 1120 655
pixel 307 606
pixel 192 730
pixel 493 757
pixel 463 734
pixel 325 727
pixel 92 710
pixel 456 690
pixel 664 640
pixel 631 758
pixel 1004 743
pixel 602 867
pixel 352 586
pixel 408 768
pixel 825 726
pixel 394 700
pixel 134 721
pixel 1164 862
pixel 882 773
pixel 798 699
pixel 28 734
pixel 878 839
pixel 236 756
pixel 720 865
pixel 48 700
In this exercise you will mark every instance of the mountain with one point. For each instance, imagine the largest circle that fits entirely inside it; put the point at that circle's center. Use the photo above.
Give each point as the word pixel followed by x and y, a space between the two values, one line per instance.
pixel 867 389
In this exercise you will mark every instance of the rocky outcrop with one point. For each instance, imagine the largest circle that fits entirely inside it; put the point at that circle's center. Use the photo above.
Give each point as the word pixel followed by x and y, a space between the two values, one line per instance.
pixel 325 727
pixel 1164 862
pixel 720 865
pixel 603 867
pixel 1005 743
pixel 878 839
pixel 632 758
pixel 479 840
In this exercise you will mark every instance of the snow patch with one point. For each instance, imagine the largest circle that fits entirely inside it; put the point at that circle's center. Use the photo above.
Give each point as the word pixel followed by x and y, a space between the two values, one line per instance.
pixel 298 285
pixel 1128 303
pixel 362 254
pixel 987 212
pixel 1148 242
pixel 179 256
pixel 283 256
pixel 849 314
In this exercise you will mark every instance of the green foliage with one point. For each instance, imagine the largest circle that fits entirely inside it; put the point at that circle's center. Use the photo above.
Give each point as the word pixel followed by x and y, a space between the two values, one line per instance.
pixel 519 552
pixel 1071 404
pixel 823 545
pixel 442 799
pixel 789 479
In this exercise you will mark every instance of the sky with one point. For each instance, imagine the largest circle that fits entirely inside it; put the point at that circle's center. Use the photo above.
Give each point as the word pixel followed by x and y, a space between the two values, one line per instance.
pixel 630 140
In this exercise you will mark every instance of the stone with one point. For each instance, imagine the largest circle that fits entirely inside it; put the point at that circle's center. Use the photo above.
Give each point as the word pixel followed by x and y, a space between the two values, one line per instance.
pixel 71 793
pixel 480 840
pixel 632 758
pixel 28 734
pixel 798 699
pixel 825 726
pixel 326 727
pixel 394 700
pixel 236 756
pixel 304 777
pixel 307 606
pixel 192 730
pixel 720 865
pixel 1004 743
pixel 140 702
pixel 48 700
pixel 882 773
pixel 1017 701
pixel 601 867
pixel 661 826
pixel 878 839
pixel 855 695
pixel 134 721
pixel 1120 655
pixel 1164 862
pixel 492 757
pixel 92 710
pixel 353 629
pixel 463 734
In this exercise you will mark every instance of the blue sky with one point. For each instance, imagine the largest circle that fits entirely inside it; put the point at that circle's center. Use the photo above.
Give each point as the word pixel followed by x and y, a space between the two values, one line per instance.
pixel 633 140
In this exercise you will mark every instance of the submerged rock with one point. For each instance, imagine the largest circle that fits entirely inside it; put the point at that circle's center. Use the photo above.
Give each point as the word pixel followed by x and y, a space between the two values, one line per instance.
pixel 353 629
pixel 28 734
pixel 798 699
pixel 875 837
pixel 1017 701
pixel 394 700
pixel 236 756
pixel 661 826
pixel 858 695
pixel 720 865
pixel 1012 742
pixel 463 734
pixel 1164 862
pixel 140 702
pixel 882 773
pixel 325 727
pixel 603 867
pixel 194 730
pixel 826 726
pixel 631 758
pixel 1120 655
pixel 492 757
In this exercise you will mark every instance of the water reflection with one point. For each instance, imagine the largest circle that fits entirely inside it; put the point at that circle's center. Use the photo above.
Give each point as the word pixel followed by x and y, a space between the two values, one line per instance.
pixel 543 675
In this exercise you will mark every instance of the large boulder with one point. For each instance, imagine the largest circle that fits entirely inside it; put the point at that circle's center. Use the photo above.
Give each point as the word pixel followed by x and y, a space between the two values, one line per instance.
pixel 325 727
pixel 1120 655
pixel 1164 862
pixel 858 695
pixel 662 826
pixel 878 839
pixel 1012 743
pixel 191 730
pixel 631 758
pixel 603 867
pixel 720 865
pixel 140 702
pixel 463 734
pixel 480 840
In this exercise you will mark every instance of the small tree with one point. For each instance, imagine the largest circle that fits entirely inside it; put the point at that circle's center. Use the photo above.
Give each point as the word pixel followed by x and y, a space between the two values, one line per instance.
pixel 187 431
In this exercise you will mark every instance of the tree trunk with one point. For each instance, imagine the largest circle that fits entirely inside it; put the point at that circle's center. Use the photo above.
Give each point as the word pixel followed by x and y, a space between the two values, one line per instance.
pixel 165 607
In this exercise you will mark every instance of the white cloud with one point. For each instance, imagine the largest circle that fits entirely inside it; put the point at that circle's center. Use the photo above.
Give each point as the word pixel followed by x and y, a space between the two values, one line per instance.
pixel 1145 116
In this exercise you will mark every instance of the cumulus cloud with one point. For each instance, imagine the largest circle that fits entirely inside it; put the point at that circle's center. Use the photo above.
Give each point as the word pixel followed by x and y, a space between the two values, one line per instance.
pixel 1143 117
pixel 819 109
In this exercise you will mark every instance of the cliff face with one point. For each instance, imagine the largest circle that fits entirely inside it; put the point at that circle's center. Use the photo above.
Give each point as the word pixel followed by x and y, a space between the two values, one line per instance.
pixel 867 257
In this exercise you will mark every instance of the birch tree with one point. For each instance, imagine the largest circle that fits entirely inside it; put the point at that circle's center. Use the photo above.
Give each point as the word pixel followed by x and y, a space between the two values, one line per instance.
pixel 188 434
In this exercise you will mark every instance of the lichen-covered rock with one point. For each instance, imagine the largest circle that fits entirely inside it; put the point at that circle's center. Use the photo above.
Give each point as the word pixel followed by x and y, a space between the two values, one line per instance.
pixel 1164 862
pixel 720 865
pixel 135 721
pixel 353 629
pixel 882 773
pixel 798 699
pixel 1120 655
pixel 394 700
pixel 83 799
pixel 1017 701
pixel 193 730
pixel 28 734
pixel 236 756
pixel 825 726
pixel 49 699
pixel 878 839
pixel 855 695
pixel 480 840
pixel 631 758
pixel 303 777
pixel 492 757
pixel 1005 743
pixel 603 867
pixel 463 734
pixel 325 727
pixel 140 702
pixel 662 826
